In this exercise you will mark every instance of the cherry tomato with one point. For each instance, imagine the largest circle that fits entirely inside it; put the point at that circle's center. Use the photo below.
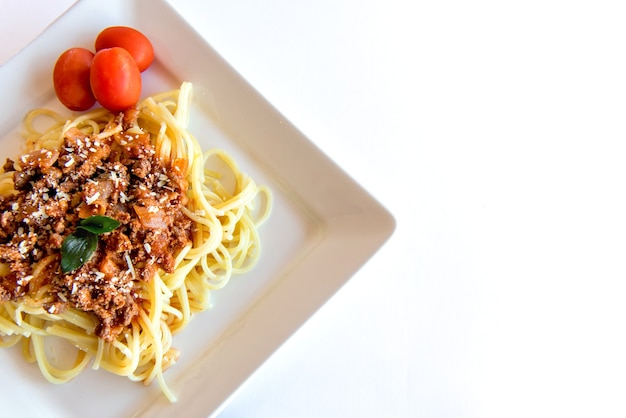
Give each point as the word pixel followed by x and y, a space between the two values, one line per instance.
pixel 115 79
pixel 71 79
pixel 131 40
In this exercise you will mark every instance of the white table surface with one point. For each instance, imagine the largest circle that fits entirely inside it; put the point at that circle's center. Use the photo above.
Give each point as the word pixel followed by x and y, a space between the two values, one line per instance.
pixel 495 132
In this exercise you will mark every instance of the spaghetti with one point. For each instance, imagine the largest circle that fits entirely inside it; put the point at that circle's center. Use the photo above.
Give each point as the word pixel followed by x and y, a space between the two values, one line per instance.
pixel 186 229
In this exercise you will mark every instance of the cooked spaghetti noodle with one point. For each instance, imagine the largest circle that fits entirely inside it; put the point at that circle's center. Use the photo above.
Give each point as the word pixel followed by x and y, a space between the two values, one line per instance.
pixel 222 241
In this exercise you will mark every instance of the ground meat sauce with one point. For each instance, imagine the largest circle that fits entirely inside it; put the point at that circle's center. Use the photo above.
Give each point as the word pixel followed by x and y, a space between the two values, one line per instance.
pixel 119 177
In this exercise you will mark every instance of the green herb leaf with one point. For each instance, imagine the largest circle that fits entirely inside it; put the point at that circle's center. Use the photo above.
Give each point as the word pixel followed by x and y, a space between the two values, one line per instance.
pixel 77 249
pixel 98 224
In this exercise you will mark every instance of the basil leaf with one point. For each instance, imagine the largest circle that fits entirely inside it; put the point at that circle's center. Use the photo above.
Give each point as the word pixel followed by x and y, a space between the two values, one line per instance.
pixel 98 224
pixel 77 249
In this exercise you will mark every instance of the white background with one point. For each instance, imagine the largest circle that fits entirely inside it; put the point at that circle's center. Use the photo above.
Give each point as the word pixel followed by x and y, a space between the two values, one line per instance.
pixel 494 131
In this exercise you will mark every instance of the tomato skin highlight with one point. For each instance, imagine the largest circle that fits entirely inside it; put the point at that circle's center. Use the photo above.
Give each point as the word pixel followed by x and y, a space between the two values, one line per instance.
pixel 131 40
pixel 115 79
pixel 71 79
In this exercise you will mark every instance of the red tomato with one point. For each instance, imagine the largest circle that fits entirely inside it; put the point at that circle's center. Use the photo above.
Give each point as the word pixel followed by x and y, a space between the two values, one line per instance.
pixel 115 79
pixel 131 40
pixel 71 79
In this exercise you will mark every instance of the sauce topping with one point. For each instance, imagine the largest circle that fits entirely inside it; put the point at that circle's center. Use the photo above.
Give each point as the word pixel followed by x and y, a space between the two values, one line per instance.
pixel 118 176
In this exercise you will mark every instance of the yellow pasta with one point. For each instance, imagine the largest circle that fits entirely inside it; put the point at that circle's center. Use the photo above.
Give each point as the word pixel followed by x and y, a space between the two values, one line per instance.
pixel 224 241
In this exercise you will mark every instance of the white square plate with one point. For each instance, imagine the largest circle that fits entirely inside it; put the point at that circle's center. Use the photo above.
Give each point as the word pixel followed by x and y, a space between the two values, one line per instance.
pixel 322 229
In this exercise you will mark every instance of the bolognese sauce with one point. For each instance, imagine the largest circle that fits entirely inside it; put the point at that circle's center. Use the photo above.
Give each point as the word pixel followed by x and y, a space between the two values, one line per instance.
pixel 118 176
